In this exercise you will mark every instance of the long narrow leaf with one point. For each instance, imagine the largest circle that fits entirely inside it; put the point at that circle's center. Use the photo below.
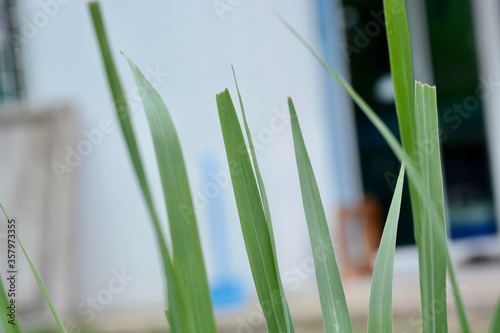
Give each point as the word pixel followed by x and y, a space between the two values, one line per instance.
pixel 333 304
pixel 262 189
pixel 38 280
pixel 188 261
pixel 42 288
pixel 265 204
pixel 252 218
pixel 431 246
pixel 179 321
pixel 398 39
pixel 380 311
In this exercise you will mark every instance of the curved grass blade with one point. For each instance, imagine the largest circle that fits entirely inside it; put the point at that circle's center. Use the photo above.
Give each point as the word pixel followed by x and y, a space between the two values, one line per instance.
pixel 333 304
pixel 265 204
pixel 416 180
pixel 179 322
pixel 380 311
pixel 38 280
pixel 495 320
pixel 188 261
pixel 42 288
pixel 252 218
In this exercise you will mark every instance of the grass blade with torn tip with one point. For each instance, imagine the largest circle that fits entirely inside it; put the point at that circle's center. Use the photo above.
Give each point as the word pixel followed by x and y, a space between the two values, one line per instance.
pixel 412 129
pixel 432 252
pixel 188 262
pixel 38 280
pixel 333 304
pixel 419 127
pixel 265 203
pixel 252 217
pixel 180 321
pixel 495 320
pixel 380 311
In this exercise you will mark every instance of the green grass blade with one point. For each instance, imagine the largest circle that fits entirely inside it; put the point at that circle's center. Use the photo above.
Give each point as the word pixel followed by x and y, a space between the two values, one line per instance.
pixel 398 39
pixel 124 117
pixel 39 281
pixel 175 302
pixel 333 304
pixel 252 217
pixel 188 259
pixel 262 189
pixel 431 246
pixel 495 320
pixel 380 311
pixel 265 203
pixel 42 288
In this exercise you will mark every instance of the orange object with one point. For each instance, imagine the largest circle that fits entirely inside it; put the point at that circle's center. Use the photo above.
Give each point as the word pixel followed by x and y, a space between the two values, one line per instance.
pixel 360 230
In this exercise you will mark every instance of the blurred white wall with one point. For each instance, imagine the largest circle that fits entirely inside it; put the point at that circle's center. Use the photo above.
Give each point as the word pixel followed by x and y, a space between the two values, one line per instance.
pixel 190 46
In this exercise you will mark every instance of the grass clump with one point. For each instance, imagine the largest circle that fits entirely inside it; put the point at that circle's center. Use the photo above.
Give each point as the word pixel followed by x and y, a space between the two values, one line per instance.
pixel 188 298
